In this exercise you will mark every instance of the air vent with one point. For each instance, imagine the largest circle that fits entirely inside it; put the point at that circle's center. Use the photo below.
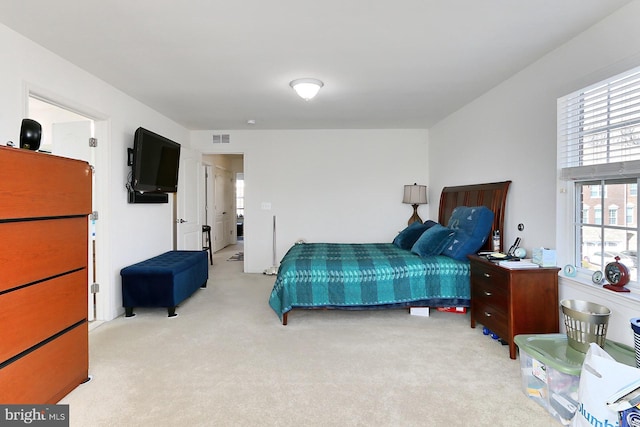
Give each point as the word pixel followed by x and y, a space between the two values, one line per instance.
pixel 221 139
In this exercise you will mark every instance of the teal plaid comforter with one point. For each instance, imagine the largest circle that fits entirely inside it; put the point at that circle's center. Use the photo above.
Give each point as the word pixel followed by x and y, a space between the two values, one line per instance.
pixel 366 275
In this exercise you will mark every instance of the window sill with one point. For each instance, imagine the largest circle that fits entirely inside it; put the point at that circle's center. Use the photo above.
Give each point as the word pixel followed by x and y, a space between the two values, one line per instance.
pixel 626 299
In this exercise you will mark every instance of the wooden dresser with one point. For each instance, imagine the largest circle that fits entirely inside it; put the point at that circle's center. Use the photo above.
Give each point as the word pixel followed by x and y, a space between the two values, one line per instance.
pixel 511 302
pixel 44 205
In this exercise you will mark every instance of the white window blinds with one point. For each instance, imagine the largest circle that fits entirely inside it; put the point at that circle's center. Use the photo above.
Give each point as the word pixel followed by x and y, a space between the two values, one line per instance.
pixel 599 129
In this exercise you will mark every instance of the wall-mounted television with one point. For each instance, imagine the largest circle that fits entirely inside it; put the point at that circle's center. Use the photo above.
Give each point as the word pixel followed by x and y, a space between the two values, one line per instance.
pixel 155 163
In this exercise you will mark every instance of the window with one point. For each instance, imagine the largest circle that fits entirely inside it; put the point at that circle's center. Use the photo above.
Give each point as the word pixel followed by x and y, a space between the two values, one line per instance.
pixel 598 214
pixel 595 192
pixel 599 151
pixel 598 243
pixel 599 129
pixel 240 195
pixel 613 215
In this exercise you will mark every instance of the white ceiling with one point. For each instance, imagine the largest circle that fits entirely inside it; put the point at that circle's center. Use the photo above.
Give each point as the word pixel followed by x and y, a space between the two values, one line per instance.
pixel 213 64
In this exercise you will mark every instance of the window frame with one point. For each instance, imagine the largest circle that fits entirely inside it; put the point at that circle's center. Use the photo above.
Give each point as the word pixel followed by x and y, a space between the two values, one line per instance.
pixel 583 258
pixel 581 160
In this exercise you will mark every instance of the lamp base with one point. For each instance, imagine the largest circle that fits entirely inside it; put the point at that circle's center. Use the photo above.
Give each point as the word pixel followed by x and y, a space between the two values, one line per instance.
pixel 415 217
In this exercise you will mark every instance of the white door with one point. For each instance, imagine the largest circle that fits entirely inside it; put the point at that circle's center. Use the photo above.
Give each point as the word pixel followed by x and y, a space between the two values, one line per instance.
pixel 230 207
pixel 225 215
pixel 220 236
pixel 209 195
pixel 71 140
pixel 188 224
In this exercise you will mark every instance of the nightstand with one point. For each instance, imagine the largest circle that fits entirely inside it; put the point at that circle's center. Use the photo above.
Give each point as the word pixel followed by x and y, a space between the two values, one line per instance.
pixel 511 302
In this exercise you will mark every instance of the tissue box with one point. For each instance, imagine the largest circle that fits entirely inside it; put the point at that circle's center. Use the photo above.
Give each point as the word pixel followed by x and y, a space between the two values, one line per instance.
pixel 419 311
pixel 544 257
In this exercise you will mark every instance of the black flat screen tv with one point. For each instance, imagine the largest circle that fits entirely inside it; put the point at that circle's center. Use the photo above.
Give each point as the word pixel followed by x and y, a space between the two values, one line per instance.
pixel 155 163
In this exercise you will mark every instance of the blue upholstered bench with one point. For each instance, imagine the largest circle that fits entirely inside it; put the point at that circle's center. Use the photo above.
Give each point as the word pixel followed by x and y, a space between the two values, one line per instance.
pixel 164 281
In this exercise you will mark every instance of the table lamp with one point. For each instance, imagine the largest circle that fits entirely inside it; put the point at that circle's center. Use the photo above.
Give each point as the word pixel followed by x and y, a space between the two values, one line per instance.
pixel 415 195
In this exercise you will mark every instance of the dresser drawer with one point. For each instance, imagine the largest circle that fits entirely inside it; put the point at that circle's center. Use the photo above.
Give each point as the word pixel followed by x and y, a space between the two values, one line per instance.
pixel 55 246
pixel 482 274
pixel 493 318
pixel 495 294
pixel 23 195
pixel 34 313
pixel 47 374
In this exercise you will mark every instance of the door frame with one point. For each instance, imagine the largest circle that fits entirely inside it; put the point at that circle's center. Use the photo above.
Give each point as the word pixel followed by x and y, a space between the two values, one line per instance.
pixel 188 207
pixel 102 126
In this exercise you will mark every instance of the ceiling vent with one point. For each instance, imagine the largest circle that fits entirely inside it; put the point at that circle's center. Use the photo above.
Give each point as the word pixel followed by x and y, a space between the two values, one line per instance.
pixel 221 139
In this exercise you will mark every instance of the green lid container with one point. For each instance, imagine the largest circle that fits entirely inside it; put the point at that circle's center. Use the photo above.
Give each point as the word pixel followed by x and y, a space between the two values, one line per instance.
pixel 554 350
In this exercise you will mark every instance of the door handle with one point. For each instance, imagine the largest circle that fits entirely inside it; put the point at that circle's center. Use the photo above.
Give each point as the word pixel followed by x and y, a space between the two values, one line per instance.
pixel 180 221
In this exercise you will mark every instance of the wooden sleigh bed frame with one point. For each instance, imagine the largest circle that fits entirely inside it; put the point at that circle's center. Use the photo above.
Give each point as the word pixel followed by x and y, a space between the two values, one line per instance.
pixel 492 195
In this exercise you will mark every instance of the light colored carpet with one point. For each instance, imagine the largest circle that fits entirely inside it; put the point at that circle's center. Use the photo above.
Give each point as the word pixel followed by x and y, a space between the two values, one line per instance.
pixel 237 257
pixel 227 361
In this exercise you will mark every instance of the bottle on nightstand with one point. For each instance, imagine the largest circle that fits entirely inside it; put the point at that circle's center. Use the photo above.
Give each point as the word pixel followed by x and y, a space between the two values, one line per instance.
pixel 496 241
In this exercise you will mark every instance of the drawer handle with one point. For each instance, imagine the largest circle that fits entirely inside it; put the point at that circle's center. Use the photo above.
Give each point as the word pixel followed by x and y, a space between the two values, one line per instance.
pixel 487 275
pixel 487 314
pixel 487 293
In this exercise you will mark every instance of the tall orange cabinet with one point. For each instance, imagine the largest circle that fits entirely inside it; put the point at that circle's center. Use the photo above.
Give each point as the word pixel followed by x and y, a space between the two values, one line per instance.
pixel 45 201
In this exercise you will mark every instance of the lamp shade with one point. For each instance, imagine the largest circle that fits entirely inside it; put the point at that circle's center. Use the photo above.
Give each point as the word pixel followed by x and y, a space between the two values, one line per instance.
pixel 306 88
pixel 415 194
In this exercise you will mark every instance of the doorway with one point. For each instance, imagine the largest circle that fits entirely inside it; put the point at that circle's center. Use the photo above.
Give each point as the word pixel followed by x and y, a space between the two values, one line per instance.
pixel 223 210
pixel 224 221
pixel 70 133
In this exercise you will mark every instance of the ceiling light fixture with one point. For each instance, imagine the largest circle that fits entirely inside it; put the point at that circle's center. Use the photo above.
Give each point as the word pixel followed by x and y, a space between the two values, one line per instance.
pixel 306 88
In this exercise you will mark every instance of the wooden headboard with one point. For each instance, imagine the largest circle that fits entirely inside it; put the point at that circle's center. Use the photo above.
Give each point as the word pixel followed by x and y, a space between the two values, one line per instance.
pixel 492 195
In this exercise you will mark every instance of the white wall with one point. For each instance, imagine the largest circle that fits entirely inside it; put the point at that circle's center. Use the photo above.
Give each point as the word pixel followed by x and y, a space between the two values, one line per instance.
pixel 510 133
pixel 323 185
pixel 333 185
pixel 126 233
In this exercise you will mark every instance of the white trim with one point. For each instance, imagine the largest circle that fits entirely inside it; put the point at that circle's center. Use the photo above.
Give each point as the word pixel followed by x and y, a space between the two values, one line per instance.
pixel 105 309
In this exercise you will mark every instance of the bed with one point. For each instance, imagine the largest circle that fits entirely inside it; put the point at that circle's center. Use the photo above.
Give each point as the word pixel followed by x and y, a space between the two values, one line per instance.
pixel 363 276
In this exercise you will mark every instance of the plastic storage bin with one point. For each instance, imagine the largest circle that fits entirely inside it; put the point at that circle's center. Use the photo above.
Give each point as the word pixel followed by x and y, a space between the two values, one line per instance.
pixel 551 368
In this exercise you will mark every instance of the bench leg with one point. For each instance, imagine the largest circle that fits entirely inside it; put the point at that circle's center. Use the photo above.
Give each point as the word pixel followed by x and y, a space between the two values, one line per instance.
pixel 128 312
pixel 172 311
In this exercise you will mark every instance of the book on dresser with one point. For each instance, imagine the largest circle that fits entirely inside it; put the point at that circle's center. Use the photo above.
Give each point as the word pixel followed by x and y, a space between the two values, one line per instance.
pixel 523 263
pixel 45 201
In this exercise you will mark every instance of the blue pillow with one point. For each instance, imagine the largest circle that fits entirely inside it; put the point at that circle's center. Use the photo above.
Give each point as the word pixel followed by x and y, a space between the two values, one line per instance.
pixel 472 226
pixel 407 237
pixel 433 241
